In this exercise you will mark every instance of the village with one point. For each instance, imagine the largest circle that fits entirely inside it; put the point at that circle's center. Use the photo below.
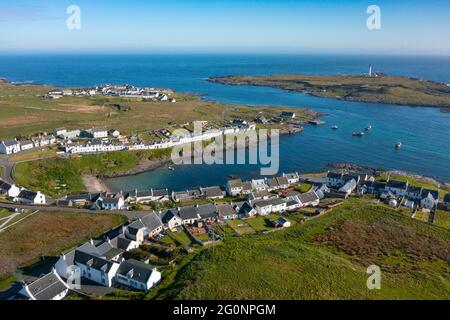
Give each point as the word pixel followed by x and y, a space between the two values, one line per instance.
pixel 200 214
pixel 124 91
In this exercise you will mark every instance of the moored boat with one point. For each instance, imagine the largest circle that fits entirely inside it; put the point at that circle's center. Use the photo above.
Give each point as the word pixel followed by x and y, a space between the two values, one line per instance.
pixel 335 127
pixel 357 134
pixel 398 145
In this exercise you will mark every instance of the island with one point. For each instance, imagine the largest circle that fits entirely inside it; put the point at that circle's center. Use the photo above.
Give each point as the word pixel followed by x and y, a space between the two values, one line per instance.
pixel 377 88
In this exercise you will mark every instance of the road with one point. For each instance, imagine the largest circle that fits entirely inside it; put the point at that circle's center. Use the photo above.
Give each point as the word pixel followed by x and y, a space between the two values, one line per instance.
pixel 8 167
pixel 131 215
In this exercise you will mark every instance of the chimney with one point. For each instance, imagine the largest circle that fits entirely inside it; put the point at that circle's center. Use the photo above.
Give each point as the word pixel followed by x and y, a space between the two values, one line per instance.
pixel 91 241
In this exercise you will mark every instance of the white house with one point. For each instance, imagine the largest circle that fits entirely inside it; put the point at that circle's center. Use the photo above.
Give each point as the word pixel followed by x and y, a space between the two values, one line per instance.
pixel 234 187
pixel 348 187
pixel 170 219
pixel 259 184
pixel 117 203
pixel 398 188
pixel 292 177
pixel 31 197
pixel 9 147
pixel 59 131
pixel 244 209
pixel 98 133
pixel 95 268
pixel 334 179
pixel 292 203
pixel 26 145
pixel 282 223
pixel 263 207
pixel 138 275
pixel 278 205
pixel 226 211
pixel 188 214
pixel 10 190
pixel 430 200
pixel 147 226
pixel 322 191
pixel 309 199
pixel 48 287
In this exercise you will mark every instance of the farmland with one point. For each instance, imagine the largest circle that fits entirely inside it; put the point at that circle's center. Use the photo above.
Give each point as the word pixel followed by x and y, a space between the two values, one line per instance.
pixel 24 111
pixel 47 234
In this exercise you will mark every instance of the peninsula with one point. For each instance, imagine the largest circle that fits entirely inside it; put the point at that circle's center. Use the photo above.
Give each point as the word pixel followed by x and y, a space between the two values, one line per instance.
pixel 377 88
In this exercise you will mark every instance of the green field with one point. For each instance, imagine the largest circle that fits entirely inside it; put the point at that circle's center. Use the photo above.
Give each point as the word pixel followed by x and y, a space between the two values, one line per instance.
pixel 57 177
pixel 325 258
pixel 385 89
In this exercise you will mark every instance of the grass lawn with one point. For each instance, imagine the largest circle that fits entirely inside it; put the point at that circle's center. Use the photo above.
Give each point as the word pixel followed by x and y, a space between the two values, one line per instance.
pixel 442 219
pixel 48 234
pixel 262 223
pixel 5 213
pixel 325 258
pixel 241 227
pixel 57 177
pixel 303 187
pixel 422 216
pixel 34 154
pixel 415 182
pixel 179 238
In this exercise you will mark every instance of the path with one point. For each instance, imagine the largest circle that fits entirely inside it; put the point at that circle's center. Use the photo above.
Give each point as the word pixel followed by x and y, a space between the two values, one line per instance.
pixel 131 215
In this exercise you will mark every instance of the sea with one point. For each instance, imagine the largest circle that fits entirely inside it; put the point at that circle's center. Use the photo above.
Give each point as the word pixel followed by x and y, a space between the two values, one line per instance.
pixel 424 132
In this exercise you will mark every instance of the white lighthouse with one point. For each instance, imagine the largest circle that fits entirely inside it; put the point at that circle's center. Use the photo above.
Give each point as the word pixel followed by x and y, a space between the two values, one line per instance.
pixel 370 70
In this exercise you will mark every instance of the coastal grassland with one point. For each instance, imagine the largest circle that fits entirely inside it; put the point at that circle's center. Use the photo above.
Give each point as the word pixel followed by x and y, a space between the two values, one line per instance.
pixel 325 258
pixel 442 219
pixel 60 176
pixel 384 89
pixel 47 234
pixel 424 183
pixel 24 111
pixel 34 154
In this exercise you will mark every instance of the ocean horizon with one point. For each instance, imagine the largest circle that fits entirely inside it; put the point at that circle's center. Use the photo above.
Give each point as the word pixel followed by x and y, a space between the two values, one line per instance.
pixel 423 131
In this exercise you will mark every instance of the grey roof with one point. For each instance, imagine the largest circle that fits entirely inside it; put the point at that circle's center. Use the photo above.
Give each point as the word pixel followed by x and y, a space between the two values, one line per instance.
pixel 272 182
pixel 207 210
pixel 308 197
pixel 4 186
pixel 99 129
pixel 225 210
pixel 143 193
pixel 291 175
pixel 397 184
pixel 261 194
pixel 276 201
pixel 434 193
pixel 188 212
pixel 291 203
pixel 376 185
pixel 167 215
pixel 293 193
pixel 111 200
pixel 247 186
pixel 235 183
pixel 10 143
pixel 211 192
pixel 79 197
pixel 135 270
pixel 414 189
pixel 245 208
pixel 160 192
pixel 282 181
pixel 262 203
pixel 92 261
pixel 149 222
pixel 27 194
pixel 334 175
pixel 447 198
pixel 47 287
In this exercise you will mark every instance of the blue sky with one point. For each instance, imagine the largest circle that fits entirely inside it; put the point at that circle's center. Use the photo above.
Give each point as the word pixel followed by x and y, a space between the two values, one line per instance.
pixel 408 27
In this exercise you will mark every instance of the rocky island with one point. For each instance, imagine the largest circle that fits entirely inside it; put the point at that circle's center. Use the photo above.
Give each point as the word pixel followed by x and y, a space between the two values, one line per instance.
pixel 377 88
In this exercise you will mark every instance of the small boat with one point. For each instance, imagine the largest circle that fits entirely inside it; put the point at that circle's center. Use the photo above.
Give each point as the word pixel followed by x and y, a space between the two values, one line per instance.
pixel 171 168
pixel 357 134
pixel 335 127
pixel 369 127
pixel 398 145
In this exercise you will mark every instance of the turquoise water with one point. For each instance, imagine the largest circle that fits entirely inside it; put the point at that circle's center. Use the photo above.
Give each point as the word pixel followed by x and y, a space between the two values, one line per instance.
pixel 424 132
